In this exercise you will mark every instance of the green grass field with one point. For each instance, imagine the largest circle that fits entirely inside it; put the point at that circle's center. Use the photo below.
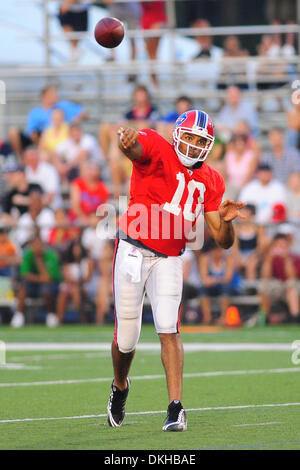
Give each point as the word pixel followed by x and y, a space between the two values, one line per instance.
pixel 55 398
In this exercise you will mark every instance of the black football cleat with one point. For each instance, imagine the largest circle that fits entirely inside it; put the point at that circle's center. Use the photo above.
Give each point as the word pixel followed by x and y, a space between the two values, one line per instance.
pixel 116 405
pixel 176 417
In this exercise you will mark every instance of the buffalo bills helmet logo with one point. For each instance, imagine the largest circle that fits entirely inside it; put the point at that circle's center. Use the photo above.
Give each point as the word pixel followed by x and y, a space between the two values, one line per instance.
pixel 181 119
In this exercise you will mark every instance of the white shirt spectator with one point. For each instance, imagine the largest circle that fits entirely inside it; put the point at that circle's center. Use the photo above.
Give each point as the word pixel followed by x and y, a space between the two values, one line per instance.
pixel 193 277
pixel 264 197
pixel 47 177
pixel 94 240
pixel 26 226
pixel 69 149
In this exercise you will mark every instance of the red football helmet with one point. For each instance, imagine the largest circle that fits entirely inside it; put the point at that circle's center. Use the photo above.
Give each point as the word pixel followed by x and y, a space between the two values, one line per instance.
pixel 197 123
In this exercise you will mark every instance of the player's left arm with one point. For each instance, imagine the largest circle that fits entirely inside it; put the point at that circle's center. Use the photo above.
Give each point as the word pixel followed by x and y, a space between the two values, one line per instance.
pixel 220 222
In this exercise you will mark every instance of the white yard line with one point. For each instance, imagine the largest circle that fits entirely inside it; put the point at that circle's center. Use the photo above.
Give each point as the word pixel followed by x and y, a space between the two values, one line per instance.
pixel 157 376
pixel 257 424
pixel 188 347
pixel 47 357
pixel 12 366
pixel 140 413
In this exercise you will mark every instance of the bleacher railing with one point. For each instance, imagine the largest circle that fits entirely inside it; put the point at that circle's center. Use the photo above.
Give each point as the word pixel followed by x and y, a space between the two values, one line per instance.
pixel 105 93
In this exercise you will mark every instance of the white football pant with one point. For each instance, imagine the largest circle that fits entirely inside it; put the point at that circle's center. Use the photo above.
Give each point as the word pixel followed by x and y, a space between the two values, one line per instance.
pixel 136 271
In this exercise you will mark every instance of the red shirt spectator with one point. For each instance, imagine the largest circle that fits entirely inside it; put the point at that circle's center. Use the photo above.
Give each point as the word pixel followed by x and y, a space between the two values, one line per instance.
pixel 278 267
pixel 88 192
pixel 153 13
pixel 153 17
pixel 63 232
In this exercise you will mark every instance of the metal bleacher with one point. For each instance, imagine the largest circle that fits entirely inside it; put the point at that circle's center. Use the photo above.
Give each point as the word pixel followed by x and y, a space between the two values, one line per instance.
pixel 104 90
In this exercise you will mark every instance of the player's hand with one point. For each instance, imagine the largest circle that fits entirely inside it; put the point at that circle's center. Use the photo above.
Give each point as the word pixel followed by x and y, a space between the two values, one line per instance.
pixel 128 137
pixel 229 210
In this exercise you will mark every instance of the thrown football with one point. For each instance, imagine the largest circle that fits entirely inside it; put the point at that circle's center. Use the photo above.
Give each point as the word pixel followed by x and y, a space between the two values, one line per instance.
pixel 109 32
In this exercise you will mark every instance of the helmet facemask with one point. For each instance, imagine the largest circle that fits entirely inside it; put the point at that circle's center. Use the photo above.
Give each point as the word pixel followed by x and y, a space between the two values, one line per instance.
pixel 203 151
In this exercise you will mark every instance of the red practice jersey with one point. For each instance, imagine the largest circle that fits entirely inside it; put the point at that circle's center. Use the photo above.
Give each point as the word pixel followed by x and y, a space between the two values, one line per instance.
pixel 166 197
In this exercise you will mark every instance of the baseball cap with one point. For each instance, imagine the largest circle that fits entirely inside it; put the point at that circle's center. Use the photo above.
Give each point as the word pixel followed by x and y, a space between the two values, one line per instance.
pixel 279 213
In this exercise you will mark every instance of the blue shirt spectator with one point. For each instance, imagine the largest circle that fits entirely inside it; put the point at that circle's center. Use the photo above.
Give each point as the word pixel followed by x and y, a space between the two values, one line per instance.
pixel 282 159
pixel 235 110
pixel 182 104
pixel 39 118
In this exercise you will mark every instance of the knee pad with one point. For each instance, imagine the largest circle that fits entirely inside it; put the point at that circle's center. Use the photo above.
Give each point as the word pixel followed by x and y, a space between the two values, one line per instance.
pixel 166 314
pixel 127 334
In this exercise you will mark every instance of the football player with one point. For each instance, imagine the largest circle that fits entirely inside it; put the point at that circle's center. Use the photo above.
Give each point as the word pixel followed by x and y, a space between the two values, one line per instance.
pixel 170 186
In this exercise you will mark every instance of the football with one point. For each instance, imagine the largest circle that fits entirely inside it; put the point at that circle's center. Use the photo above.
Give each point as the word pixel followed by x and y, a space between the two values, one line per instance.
pixel 109 32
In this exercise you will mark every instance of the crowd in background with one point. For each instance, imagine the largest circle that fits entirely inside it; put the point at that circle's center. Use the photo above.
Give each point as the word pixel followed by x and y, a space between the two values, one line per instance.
pixel 55 176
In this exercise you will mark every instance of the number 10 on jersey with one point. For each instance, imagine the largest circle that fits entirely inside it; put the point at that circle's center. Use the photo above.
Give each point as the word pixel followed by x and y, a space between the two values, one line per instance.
pixel 174 206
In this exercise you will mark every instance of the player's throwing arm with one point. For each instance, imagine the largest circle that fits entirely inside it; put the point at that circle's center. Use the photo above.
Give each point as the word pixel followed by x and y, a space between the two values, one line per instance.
pixel 129 144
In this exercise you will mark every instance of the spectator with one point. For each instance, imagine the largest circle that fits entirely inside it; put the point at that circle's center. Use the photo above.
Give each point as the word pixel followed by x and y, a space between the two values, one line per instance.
pixel 230 72
pixel 217 273
pixel 95 235
pixel 293 123
pixel 280 271
pixel 264 192
pixel 104 291
pixel 191 285
pixel 39 118
pixel 52 136
pixel 142 115
pixel 98 240
pixel 63 232
pixel 182 105
pixel 165 126
pixel 5 148
pixel 153 17
pixel 272 45
pixel 8 254
pixel 41 275
pixel 207 71
pixel 16 200
pixel 130 14
pixel 36 219
pixel 87 193
pixel 281 159
pixel 293 197
pixel 235 110
pixel 250 243
pixel 3 182
pixel 231 192
pixel 288 49
pixel 44 174
pixel 77 271
pixel 206 46
pixel 232 47
pixel 78 148
pixel 73 17
pixel 252 143
pixel 277 69
pixel 240 161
